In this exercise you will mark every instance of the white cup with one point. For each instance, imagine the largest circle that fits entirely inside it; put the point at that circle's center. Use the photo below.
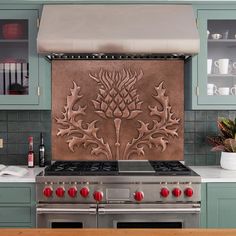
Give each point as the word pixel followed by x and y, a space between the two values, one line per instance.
pixel 223 65
pixel 211 89
pixel 233 90
pixel 209 66
pixel 223 90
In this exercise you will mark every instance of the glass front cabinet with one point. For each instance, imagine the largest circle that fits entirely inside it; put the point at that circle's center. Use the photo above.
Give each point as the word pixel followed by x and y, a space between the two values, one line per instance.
pixel 214 68
pixel 19 61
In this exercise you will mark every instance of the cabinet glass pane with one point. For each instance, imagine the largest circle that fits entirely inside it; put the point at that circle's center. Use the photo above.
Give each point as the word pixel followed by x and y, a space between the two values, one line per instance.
pixel 221 62
pixel 14 65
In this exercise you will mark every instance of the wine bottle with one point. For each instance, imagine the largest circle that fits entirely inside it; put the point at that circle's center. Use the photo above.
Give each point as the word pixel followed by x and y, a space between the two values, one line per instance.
pixel 31 153
pixel 41 152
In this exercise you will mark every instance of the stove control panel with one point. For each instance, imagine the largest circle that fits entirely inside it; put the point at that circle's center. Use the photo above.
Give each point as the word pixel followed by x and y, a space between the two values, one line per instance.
pixel 120 192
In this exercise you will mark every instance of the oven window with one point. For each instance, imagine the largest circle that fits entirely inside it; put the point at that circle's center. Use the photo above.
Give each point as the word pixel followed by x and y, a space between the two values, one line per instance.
pixel 149 225
pixel 66 225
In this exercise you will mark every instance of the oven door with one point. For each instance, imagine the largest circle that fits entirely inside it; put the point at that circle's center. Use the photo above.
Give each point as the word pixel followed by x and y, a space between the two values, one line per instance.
pixel 66 216
pixel 149 216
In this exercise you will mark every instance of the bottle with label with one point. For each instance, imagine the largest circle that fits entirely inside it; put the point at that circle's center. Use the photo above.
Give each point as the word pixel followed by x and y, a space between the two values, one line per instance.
pixel 31 153
pixel 41 152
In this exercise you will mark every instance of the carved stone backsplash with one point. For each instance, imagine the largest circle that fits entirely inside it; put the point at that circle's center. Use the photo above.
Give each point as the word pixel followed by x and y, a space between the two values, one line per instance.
pixel 113 110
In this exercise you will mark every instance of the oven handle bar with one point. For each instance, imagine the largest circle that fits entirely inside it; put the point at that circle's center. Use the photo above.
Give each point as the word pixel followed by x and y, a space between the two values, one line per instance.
pixel 147 211
pixel 66 210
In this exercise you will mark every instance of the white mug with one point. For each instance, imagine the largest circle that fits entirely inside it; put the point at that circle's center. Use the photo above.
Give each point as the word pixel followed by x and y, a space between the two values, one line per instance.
pixel 223 65
pixel 209 66
pixel 211 89
pixel 223 90
pixel 233 90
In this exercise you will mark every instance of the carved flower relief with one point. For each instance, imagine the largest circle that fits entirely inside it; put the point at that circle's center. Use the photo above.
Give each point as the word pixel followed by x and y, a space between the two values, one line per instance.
pixel 117 96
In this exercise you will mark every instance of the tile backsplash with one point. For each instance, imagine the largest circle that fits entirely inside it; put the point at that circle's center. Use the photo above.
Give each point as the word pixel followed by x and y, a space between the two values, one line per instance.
pixel 17 126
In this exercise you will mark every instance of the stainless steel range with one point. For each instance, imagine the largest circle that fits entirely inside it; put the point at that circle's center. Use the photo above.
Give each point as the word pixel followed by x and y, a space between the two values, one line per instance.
pixel 118 194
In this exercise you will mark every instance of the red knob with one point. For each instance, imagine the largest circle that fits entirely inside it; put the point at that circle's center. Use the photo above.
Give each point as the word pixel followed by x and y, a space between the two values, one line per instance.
pixel 164 192
pixel 72 191
pixel 60 191
pixel 176 192
pixel 47 192
pixel 138 196
pixel 98 195
pixel 188 192
pixel 84 192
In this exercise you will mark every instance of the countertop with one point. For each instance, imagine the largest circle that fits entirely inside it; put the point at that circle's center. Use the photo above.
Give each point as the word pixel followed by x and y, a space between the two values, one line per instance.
pixel 118 232
pixel 207 173
pixel 214 174
pixel 28 178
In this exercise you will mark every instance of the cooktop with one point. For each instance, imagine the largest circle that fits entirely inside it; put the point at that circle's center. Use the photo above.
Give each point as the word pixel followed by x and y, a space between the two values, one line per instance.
pixel 81 168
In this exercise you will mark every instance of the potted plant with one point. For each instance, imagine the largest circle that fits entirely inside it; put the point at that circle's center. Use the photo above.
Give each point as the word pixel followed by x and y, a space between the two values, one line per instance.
pixel 225 142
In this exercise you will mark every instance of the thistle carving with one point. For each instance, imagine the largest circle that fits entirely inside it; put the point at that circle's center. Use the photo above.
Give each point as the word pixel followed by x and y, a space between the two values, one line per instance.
pixel 155 135
pixel 77 133
pixel 117 99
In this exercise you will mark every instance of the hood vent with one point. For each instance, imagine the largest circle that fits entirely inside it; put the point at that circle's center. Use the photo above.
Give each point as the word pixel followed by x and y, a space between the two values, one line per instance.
pixel 117 29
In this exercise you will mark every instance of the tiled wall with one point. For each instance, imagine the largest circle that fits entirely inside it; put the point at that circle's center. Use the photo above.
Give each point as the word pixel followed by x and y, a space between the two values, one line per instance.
pixel 17 126
pixel 199 125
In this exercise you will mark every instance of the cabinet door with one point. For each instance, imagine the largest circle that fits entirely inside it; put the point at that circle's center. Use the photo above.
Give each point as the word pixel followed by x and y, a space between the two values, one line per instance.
pixel 221 205
pixel 18 57
pixel 216 62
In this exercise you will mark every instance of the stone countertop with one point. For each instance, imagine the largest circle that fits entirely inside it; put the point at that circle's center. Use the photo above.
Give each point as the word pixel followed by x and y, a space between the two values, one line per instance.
pixel 208 174
pixel 28 178
pixel 211 174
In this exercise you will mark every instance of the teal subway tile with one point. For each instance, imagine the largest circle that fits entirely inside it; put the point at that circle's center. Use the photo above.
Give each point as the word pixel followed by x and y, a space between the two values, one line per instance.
pixel 12 115
pixel 212 115
pixel 13 126
pixel 34 115
pixel 189 126
pixel 189 115
pixel 3 115
pixel 3 126
pixel 201 115
pixel 200 160
pixel 200 126
pixel 23 115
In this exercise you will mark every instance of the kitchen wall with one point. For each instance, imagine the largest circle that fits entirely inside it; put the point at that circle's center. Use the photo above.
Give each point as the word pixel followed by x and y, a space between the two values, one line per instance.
pixel 17 126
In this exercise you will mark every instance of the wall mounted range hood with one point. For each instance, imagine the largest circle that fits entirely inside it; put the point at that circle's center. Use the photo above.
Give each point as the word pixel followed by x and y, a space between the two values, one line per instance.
pixel 137 29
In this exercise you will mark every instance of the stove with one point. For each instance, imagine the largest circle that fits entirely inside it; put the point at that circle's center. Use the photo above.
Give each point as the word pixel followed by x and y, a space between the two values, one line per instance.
pixel 125 188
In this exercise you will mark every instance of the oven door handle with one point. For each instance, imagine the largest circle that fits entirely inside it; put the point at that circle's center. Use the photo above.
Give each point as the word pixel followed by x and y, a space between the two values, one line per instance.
pixel 66 210
pixel 147 210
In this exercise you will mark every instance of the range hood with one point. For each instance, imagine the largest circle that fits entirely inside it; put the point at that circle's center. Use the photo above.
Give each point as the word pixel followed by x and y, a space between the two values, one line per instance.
pixel 133 29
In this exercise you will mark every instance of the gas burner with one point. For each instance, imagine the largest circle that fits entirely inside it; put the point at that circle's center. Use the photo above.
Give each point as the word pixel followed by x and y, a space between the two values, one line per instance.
pixel 170 168
pixel 73 168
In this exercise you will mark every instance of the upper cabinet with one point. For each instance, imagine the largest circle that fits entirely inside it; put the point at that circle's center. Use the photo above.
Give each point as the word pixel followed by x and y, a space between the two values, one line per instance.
pixel 214 68
pixel 22 72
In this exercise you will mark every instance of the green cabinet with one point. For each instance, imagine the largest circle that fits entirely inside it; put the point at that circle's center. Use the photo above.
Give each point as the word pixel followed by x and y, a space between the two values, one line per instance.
pixel 17 205
pixel 218 209
pixel 221 205
pixel 213 70
pixel 24 75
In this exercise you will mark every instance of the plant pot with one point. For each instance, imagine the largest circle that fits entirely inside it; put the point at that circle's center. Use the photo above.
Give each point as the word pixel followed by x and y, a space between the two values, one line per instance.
pixel 228 160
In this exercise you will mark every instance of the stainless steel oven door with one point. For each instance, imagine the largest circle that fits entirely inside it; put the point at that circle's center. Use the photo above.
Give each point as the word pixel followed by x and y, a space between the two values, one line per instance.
pixel 148 215
pixel 66 216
